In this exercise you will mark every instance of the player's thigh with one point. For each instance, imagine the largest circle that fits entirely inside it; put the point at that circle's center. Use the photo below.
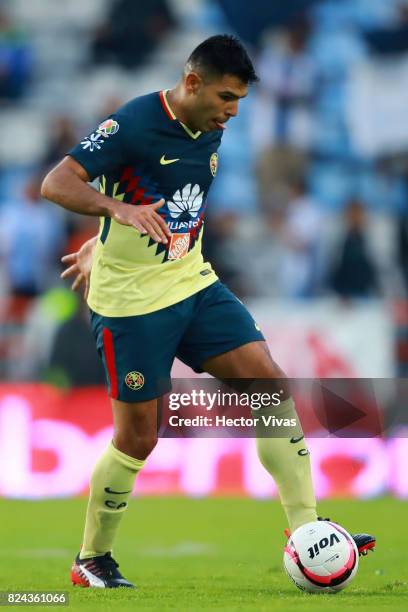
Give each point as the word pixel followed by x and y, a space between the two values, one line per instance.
pixel 249 361
pixel 252 360
pixel 137 353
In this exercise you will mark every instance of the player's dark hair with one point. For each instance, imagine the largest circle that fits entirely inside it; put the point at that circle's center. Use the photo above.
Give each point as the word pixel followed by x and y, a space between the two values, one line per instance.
pixel 223 54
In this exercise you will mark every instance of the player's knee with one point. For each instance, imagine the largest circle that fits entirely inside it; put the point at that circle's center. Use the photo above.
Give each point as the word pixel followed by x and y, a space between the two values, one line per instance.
pixel 144 446
pixel 138 447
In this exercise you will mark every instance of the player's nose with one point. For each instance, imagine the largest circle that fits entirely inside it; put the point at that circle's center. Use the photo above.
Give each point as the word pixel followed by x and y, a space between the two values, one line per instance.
pixel 232 110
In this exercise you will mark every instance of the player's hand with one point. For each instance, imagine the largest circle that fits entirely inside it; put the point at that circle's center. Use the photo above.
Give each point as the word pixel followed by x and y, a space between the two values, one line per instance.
pixel 145 219
pixel 80 265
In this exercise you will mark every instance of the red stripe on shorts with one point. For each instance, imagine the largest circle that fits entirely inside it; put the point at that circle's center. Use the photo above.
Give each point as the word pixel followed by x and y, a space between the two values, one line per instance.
pixel 110 361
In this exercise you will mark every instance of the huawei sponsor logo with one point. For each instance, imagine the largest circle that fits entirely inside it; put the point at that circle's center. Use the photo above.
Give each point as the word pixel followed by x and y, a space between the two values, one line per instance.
pixel 189 199
pixel 183 225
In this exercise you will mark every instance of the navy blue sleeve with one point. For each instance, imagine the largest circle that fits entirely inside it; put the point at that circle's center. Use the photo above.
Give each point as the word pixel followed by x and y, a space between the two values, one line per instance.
pixel 106 148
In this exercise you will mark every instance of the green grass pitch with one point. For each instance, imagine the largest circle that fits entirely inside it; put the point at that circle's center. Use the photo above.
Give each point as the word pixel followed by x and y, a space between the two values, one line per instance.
pixel 204 554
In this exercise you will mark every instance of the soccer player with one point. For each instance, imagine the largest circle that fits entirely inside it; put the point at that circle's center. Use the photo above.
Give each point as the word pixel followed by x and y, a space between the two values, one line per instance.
pixel 151 295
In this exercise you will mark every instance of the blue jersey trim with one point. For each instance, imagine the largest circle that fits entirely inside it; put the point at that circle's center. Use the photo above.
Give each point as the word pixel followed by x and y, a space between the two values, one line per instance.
pixel 105 229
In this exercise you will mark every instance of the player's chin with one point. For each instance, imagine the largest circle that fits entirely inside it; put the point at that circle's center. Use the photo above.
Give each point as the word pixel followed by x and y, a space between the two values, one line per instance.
pixel 209 127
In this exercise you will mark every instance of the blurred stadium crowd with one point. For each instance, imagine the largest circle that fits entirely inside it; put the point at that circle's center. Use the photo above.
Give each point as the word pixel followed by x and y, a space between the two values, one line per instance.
pixel 311 197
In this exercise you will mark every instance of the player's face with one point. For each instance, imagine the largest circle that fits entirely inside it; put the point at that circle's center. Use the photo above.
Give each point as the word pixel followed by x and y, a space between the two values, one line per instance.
pixel 216 101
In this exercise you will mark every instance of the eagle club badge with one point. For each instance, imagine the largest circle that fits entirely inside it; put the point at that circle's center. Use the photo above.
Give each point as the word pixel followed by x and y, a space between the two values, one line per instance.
pixel 214 163
pixel 134 380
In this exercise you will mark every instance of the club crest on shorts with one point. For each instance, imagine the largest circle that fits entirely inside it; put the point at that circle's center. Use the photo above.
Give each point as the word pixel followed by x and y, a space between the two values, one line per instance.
pixel 214 163
pixel 134 380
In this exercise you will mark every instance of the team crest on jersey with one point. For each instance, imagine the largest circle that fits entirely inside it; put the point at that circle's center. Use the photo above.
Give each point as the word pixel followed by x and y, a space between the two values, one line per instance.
pixel 134 380
pixel 108 128
pixel 214 163
pixel 179 244
pixel 189 199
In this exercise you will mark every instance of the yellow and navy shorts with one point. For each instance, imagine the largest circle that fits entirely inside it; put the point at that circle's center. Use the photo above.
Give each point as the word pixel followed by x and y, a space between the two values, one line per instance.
pixel 138 351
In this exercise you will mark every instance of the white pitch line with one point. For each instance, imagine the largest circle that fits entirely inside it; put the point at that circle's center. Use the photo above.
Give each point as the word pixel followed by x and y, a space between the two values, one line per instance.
pixel 37 552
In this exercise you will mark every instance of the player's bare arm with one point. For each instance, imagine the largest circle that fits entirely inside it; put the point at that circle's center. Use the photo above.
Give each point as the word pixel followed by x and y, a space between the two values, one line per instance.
pixel 67 185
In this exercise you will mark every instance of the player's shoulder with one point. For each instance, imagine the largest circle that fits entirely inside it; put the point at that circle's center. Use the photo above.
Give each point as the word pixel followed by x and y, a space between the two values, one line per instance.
pixel 141 109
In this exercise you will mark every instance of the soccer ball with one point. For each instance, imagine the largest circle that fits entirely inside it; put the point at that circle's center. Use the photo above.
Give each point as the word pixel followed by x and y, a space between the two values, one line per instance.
pixel 321 557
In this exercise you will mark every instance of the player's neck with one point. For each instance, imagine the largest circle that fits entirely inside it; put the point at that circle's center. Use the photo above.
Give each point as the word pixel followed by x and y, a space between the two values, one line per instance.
pixel 175 100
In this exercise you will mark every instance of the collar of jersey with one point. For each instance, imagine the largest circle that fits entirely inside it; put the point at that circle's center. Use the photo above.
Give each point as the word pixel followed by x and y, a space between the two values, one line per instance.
pixel 169 112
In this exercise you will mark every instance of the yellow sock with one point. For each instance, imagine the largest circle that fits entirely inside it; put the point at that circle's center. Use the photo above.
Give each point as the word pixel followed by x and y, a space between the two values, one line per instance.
pixel 110 488
pixel 287 461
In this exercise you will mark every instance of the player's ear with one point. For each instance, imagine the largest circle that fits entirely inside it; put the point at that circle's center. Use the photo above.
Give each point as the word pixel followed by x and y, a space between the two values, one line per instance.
pixel 192 82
